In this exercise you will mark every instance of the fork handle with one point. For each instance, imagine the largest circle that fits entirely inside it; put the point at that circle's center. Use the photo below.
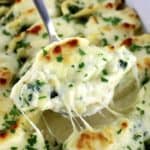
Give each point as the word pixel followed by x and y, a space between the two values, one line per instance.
pixel 40 5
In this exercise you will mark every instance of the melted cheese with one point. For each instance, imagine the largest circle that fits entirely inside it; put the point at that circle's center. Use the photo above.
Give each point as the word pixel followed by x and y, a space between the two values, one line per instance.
pixel 117 136
pixel 110 26
pixel 83 66
pixel 14 129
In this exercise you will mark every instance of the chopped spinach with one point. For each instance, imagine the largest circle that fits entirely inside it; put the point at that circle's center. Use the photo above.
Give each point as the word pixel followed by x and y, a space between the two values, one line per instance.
pixel 123 64
pixel 36 86
pixel 147 144
pixel 53 94
pixel 74 9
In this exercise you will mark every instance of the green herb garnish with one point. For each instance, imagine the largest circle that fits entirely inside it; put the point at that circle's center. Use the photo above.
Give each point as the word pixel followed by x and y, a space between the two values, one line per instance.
pixel 44 52
pixel 81 52
pixel 45 35
pixel 112 20
pixel 5 32
pixel 10 119
pixel 119 131
pixel 136 137
pixel 103 42
pixel 116 38
pixel 135 48
pixel 81 65
pixel 74 9
pixel 42 97
pixel 21 44
pixel 141 111
pixel 123 64
pixel 67 18
pixel 31 142
pixel 104 79
pixel 70 85
pixel 59 59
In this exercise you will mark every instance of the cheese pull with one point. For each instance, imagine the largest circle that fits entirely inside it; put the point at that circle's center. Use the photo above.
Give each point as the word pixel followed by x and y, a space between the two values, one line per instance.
pixel 72 77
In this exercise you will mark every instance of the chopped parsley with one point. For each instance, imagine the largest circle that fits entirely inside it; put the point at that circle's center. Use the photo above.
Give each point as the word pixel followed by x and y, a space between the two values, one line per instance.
pixel 81 65
pixel 45 35
pixel 136 137
pixel 81 52
pixel 67 17
pixel 105 72
pixel 59 58
pixel 31 142
pixel 146 77
pixel 23 28
pixel 10 119
pixel 60 35
pixel 70 85
pixel 104 79
pixel 141 111
pixel 47 145
pixel 103 75
pixel 44 52
pixel 116 38
pixel 22 44
pixel 123 64
pixel 8 18
pixel 112 20
pixel 119 131
pixel 5 32
pixel 135 48
pixel 42 97
pixel 128 147
pixel 103 42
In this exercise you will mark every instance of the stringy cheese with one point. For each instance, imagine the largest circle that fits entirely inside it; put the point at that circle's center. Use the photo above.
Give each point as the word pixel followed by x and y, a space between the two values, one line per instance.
pixel 67 74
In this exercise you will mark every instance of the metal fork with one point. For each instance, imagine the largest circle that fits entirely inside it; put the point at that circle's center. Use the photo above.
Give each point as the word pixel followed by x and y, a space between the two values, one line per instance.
pixel 47 20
